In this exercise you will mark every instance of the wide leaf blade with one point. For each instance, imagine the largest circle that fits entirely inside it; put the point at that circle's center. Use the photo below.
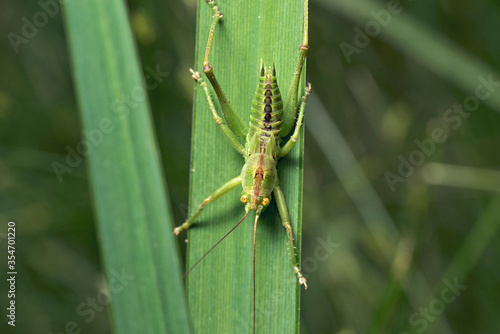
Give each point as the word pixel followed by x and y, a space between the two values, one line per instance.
pixel 130 202
pixel 220 292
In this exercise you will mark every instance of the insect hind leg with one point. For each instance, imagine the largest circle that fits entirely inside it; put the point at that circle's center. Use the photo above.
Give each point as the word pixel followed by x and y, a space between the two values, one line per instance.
pixel 290 106
pixel 233 120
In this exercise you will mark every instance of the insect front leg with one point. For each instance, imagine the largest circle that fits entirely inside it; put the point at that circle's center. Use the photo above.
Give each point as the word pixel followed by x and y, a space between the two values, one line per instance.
pixel 212 198
pixel 293 139
pixel 232 118
pixel 285 220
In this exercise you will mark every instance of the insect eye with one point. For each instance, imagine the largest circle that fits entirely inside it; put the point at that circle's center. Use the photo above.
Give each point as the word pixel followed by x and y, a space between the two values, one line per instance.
pixel 244 198
pixel 265 201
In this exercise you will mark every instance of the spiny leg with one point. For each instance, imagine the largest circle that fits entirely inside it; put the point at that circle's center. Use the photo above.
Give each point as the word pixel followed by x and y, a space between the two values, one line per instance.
pixel 285 219
pixel 215 19
pixel 293 139
pixel 213 197
pixel 290 107
pixel 231 137
pixel 232 118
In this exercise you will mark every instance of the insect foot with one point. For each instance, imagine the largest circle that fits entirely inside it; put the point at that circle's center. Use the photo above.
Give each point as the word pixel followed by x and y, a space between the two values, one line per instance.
pixel 214 8
pixel 302 279
pixel 177 230
pixel 191 219
pixel 195 75
pixel 308 91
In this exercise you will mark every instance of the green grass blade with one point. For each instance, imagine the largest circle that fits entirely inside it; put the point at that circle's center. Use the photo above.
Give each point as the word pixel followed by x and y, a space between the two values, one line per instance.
pixel 127 183
pixel 379 223
pixel 220 287
pixel 433 50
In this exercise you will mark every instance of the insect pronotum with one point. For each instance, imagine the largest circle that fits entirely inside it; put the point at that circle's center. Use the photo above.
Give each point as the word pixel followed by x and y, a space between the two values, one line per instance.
pixel 270 121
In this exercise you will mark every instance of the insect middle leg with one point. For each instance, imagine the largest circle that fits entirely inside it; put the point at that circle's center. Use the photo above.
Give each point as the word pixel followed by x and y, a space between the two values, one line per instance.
pixel 227 187
pixel 285 149
pixel 231 137
pixel 285 220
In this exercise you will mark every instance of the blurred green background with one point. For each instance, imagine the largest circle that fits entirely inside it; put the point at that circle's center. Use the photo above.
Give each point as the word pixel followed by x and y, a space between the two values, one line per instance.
pixel 415 254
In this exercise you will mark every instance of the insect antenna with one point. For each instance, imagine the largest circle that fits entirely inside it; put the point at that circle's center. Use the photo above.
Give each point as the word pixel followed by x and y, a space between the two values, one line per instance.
pixel 253 267
pixel 218 242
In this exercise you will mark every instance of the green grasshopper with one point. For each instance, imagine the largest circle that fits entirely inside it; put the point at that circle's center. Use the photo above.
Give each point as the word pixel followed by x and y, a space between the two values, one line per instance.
pixel 270 121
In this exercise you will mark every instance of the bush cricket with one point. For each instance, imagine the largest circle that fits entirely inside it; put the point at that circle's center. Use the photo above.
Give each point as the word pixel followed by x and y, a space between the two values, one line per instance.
pixel 271 120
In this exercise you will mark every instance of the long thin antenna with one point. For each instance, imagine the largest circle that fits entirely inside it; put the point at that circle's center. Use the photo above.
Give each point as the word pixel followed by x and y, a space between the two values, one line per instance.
pixel 254 238
pixel 218 242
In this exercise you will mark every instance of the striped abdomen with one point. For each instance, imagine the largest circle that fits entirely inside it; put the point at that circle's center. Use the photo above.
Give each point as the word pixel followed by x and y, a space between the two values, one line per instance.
pixel 267 107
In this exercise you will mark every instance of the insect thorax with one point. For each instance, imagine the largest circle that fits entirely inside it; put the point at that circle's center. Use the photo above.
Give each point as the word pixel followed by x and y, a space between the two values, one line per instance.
pixel 258 178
